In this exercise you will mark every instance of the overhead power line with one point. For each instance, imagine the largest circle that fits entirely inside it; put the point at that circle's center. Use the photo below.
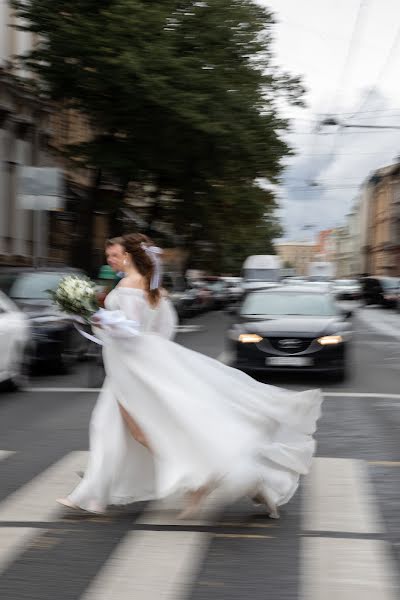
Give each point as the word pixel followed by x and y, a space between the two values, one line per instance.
pixel 381 74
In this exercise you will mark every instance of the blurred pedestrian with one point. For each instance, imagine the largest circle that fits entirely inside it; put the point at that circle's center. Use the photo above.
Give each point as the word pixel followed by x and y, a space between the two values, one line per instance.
pixel 115 257
pixel 172 420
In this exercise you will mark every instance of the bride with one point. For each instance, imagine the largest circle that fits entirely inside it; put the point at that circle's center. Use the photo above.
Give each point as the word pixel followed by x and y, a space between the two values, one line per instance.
pixel 171 420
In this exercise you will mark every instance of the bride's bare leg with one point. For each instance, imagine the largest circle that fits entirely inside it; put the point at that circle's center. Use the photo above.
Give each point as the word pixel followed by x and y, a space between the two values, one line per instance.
pixel 134 428
pixel 195 500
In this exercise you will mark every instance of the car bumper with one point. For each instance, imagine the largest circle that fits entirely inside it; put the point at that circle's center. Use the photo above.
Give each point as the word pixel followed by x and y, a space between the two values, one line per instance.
pixel 326 360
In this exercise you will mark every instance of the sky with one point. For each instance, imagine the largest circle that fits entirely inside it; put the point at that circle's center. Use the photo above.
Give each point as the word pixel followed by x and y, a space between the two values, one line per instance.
pixel 348 55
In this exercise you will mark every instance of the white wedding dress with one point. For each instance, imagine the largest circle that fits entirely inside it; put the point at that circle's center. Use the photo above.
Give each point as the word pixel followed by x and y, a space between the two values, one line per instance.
pixel 205 422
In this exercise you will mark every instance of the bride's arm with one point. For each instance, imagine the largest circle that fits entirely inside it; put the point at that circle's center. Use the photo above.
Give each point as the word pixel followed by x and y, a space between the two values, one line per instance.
pixel 127 320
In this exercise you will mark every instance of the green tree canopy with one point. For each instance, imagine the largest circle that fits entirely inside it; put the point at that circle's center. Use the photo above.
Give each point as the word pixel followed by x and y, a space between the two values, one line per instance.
pixel 180 93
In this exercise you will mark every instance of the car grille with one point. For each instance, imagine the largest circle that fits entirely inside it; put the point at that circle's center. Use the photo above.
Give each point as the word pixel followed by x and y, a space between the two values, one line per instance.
pixel 290 345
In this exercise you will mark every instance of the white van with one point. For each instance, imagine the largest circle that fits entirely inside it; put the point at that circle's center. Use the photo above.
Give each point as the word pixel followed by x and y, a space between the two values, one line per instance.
pixel 261 270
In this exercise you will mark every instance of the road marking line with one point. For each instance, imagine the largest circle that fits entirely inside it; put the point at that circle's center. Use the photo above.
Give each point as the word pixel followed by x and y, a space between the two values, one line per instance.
pixel 361 395
pixel 347 568
pixel 242 535
pixel 68 390
pixel 381 327
pixel 349 394
pixel 150 564
pixel 14 540
pixel 36 502
pixel 338 497
pixel 385 463
pixel 189 328
pixel 5 454
pixel 253 525
pixel 157 564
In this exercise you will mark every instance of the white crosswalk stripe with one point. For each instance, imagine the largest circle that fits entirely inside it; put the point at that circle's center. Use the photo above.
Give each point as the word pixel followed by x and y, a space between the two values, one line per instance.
pixel 338 499
pixel 5 454
pixel 35 502
pixel 381 321
pixel 340 552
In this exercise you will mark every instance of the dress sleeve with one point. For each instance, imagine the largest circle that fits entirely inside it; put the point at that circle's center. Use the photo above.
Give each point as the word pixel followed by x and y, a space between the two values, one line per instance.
pixel 166 320
pixel 132 304
pixel 126 319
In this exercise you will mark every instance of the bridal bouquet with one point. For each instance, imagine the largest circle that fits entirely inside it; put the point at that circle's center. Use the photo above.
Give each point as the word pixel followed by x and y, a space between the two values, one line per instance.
pixel 76 295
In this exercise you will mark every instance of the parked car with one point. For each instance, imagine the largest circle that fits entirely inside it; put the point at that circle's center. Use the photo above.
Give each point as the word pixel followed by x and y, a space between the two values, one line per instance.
pixel 347 289
pixel 7 277
pixel 219 291
pixel 290 328
pixel 14 344
pixel 322 286
pixel 204 296
pixel 235 288
pixel 294 280
pixel 381 290
pixel 56 343
pixel 184 297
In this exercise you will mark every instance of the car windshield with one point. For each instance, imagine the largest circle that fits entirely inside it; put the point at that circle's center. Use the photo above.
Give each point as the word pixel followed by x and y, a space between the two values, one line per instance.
pixel 262 275
pixel 390 284
pixel 215 285
pixel 307 305
pixel 35 286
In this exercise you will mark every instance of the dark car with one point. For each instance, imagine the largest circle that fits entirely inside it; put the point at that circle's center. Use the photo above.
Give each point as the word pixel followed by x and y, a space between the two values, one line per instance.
pixel 55 341
pixel 290 328
pixel 347 289
pixel 381 290
pixel 219 291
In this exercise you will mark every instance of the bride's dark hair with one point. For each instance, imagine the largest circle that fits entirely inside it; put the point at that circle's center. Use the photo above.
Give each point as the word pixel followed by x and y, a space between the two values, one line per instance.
pixel 133 245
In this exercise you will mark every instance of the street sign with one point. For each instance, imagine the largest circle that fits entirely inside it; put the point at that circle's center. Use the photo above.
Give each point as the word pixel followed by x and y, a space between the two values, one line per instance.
pixel 40 188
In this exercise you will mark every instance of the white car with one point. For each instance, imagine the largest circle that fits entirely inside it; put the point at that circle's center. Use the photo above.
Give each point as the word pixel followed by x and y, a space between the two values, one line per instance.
pixel 14 343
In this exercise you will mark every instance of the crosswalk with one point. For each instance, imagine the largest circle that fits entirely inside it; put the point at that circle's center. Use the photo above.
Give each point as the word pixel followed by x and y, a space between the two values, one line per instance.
pixel 342 550
pixel 384 322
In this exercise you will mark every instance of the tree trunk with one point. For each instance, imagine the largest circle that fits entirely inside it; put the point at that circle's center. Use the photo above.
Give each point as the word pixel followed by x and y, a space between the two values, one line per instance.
pixel 114 225
pixel 83 257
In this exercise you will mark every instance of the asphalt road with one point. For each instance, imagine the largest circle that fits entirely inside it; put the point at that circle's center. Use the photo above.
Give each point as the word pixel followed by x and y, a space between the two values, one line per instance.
pixel 339 535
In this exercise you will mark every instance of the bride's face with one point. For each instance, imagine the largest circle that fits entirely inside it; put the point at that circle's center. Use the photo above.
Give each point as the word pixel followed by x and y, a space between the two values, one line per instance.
pixel 115 257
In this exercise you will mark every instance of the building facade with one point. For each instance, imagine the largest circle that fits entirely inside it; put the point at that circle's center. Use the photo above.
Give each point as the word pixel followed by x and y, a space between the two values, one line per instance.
pixel 383 234
pixel 297 255
pixel 343 252
pixel 24 140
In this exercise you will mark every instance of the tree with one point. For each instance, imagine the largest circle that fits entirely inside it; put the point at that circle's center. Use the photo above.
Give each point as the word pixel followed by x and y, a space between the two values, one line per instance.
pixel 182 94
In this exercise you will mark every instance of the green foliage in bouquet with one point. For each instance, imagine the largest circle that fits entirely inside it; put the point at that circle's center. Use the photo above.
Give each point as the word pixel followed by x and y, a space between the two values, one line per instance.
pixel 76 295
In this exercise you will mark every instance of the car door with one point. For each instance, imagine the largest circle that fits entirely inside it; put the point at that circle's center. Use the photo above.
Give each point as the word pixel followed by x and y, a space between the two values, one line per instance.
pixel 13 334
pixel 6 336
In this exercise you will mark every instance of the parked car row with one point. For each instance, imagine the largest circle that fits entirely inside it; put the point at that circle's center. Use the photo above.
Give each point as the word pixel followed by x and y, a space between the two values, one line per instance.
pixel 380 290
pixel 195 296
pixel 33 332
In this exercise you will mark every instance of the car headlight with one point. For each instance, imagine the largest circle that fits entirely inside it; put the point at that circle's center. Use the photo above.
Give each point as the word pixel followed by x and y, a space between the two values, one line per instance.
pixel 330 340
pixel 249 338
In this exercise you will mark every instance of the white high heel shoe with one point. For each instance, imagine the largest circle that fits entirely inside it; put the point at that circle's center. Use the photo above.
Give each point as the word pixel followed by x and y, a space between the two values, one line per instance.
pixel 94 509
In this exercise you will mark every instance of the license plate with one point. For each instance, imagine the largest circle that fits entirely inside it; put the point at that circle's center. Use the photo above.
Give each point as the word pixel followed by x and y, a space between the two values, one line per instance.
pixel 288 361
